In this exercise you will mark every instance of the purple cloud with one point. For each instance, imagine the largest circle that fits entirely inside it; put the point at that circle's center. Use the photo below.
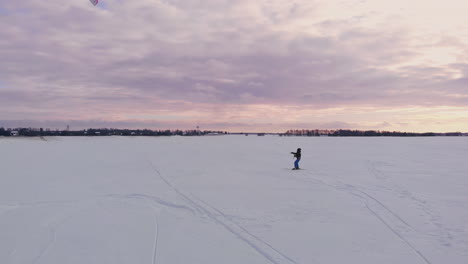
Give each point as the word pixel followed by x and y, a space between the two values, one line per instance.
pixel 188 59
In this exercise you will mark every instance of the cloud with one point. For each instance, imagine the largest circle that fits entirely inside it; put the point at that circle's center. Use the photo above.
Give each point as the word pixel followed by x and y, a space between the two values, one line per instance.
pixel 73 60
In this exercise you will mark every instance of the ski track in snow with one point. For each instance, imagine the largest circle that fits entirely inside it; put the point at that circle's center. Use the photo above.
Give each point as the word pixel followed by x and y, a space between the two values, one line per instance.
pixel 260 246
pixel 132 196
pixel 48 245
pixel 150 198
pixel 8 207
pixel 18 205
pixel 242 229
pixel 156 236
pixel 154 201
pixel 12 252
pixel 389 226
pixel 53 233
pixel 443 234
pixel 390 219
pixel 353 188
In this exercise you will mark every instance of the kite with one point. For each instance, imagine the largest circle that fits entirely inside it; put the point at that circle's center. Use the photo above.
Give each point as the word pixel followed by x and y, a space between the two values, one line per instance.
pixel 94 2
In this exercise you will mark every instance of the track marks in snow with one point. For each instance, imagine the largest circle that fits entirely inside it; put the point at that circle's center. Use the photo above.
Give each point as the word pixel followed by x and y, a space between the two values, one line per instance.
pixel 7 207
pixel 74 207
pixel 53 238
pixel 149 202
pixel 392 225
pixel 152 199
pixel 373 168
pixel 241 230
pixel 155 244
pixel 48 245
pixel 392 221
pixel 440 232
pixel 260 246
pixel 354 189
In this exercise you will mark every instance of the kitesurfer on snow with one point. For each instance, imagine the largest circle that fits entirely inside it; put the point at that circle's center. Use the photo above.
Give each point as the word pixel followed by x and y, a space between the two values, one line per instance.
pixel 297 155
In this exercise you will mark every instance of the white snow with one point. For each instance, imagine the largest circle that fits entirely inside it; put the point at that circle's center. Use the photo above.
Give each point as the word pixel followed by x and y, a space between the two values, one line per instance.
pixel 233 199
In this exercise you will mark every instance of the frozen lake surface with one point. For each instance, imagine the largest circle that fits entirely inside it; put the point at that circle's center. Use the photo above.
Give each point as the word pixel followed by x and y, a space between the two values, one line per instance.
pixel 233 199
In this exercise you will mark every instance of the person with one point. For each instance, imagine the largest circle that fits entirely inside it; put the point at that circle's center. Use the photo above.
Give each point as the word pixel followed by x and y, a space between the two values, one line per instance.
pixel 297 155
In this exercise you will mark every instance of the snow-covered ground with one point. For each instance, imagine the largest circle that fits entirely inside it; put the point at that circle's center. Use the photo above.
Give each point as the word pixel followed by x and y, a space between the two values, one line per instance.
pixel 233 199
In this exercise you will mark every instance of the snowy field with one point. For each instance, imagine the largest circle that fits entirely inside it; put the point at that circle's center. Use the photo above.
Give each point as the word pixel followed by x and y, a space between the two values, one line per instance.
pixel 233 199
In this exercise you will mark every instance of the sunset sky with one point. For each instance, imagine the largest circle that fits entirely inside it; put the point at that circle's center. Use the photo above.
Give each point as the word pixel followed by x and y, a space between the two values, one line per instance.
pixel 235 65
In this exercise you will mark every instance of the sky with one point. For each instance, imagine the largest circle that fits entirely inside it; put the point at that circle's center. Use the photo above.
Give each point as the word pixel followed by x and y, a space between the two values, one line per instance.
pixel 243 65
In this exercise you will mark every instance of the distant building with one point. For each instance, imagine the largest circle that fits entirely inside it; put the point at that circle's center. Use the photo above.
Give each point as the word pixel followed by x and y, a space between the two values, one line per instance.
pixel 214 134
pixel 14 133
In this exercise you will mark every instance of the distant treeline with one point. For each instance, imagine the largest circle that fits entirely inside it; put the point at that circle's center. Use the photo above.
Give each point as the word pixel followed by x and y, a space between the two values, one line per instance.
pixel 368 133
pixel 38 132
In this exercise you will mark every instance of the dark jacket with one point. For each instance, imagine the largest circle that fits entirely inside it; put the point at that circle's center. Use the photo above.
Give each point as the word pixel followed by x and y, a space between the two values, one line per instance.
pixel 297 154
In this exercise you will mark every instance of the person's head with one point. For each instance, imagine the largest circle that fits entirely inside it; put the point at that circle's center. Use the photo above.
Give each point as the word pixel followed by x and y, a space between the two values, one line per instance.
pixel 299 150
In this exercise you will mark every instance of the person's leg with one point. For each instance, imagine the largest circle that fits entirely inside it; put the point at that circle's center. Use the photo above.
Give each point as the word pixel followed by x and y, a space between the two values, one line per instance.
pixel 296 163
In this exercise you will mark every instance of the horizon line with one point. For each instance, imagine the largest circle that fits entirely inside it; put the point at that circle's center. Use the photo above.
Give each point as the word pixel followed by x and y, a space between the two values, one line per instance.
pixel 47 129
